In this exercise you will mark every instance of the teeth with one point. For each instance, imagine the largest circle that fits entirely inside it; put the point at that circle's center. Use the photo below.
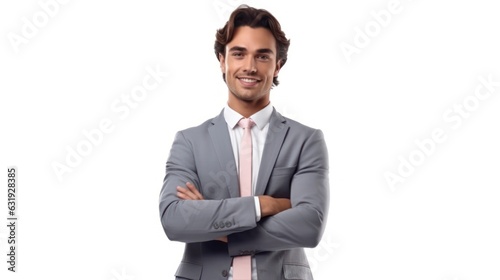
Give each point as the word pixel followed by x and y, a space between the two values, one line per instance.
pixel 248 80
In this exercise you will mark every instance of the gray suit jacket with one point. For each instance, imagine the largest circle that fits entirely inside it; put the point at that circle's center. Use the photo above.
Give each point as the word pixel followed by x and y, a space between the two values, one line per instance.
pixel 294 165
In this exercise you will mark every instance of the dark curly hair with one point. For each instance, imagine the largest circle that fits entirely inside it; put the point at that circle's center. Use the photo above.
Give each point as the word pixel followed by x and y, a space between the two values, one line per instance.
pixel 245 15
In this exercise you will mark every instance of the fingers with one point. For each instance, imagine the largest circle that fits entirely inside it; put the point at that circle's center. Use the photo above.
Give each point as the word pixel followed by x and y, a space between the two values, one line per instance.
pixel 183 193
pixel 189 193
pixel 195 191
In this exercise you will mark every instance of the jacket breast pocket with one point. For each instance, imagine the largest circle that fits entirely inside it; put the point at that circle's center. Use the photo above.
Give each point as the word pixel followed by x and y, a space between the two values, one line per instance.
pixel 188 271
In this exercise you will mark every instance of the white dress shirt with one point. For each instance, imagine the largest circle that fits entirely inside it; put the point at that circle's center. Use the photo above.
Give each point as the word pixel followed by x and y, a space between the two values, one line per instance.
pixel 259 133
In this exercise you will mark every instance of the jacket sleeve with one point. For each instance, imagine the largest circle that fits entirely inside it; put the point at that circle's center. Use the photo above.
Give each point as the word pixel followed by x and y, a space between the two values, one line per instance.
pixel 304 223
pixel 198 220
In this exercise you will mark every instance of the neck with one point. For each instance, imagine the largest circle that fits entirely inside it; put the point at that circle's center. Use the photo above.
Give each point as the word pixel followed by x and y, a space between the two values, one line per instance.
pixel 246 109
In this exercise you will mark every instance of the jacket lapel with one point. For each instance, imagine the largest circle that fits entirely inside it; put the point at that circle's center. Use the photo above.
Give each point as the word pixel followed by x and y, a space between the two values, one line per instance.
pixel 222 145
pixel 274 140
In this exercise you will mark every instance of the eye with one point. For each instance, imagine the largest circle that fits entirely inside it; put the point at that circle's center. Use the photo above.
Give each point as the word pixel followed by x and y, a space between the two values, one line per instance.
pixel 237 54
pixel 263 57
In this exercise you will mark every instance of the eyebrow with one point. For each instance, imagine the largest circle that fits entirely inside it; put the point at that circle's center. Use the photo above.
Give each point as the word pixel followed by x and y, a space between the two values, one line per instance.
pixel 242 49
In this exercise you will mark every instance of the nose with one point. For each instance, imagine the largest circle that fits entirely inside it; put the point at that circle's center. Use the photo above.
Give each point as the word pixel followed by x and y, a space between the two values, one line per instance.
pixel 250 65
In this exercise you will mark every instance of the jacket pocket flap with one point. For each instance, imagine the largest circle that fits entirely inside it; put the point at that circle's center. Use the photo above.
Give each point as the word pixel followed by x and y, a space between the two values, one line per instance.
pixel 280 171
pixel 297 272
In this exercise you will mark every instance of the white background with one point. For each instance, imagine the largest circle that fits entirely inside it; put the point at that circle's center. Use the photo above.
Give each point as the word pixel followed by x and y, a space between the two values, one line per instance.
pixel 101 220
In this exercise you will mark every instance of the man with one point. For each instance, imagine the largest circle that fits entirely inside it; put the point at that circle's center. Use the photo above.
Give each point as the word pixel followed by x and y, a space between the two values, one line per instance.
pixel 247 190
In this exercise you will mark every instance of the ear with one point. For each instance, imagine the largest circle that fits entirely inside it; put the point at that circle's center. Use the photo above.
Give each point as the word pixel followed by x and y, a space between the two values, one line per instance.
pixel 222 61
pixel 278 68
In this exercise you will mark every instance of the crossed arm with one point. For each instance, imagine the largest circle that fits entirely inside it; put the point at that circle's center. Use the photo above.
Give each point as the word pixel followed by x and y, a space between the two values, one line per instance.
pixel 285 223
pixel 268 205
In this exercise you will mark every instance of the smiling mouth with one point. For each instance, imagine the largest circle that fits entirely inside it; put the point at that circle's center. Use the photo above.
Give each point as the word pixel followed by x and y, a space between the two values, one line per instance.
pixel 248 81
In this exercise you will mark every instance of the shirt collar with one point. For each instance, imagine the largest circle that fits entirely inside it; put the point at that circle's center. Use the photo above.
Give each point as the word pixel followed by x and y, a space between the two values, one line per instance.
pixel 261 118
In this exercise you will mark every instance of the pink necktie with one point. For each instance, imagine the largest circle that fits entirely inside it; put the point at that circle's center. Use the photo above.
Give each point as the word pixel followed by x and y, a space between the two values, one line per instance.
pixel 242 265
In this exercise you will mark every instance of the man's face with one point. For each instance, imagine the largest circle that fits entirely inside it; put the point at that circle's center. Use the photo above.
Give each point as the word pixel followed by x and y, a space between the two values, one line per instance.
pixel 250 65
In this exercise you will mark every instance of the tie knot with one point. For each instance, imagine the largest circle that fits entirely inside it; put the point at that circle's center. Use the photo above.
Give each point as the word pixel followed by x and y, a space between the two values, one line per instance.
pixel 246 123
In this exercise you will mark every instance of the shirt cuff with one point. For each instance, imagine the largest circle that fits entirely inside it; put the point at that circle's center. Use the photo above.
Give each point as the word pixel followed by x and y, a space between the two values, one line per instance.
pixel 257 208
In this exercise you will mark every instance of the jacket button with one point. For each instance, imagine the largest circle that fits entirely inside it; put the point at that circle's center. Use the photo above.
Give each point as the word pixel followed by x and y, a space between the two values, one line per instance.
pixel 225 273
pixel 221 225
pixel 216 225
pixel 228 224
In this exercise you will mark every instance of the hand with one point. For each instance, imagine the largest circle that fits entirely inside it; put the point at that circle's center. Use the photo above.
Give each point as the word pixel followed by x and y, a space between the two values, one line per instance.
pixel 189 193
pixel 223 239
pixel 271 206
